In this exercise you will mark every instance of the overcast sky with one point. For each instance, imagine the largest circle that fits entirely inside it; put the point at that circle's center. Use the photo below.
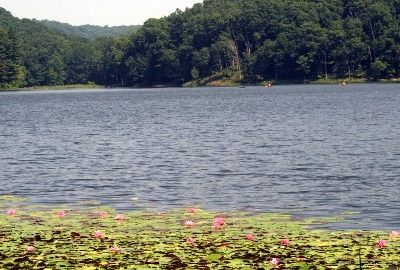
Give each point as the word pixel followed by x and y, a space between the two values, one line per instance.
pixel 98 12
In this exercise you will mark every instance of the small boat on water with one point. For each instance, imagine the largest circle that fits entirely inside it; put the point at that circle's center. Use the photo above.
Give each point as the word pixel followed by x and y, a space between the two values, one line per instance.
pixel 269 85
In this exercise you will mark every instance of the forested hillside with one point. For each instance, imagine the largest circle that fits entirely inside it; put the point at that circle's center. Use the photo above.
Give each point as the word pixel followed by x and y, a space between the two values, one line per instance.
pixel 244 40
pixel 32 54
pixel 90 31
pixel 269 40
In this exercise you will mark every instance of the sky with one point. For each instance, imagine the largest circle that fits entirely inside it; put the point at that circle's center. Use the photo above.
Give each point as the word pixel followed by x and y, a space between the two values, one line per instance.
pixel 97 12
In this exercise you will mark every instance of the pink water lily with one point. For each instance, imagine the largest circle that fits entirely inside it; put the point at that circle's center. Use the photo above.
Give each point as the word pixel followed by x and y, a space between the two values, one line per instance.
pixel 192 210
pixel 119 217
pixel 190 240
pixel 219 220
pixel 285 242
pixel 98 234
pixel 275 261
pixel 395 234
pixel 217 226
pixel 30 249
pixel 189 224
pixel 61 214
pixel 11 212
pixel 381 243
pixel 219 223
pixel 250 237
pixel 103 214
pixel 115 249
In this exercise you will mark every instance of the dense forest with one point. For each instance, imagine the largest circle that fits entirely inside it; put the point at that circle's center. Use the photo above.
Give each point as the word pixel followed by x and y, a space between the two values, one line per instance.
pixel 245 40
pixel 90 31
pixel 32 54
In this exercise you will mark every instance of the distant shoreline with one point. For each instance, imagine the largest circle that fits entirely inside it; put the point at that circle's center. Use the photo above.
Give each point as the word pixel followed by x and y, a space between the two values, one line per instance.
pixel 55 87
pixel 229 82
pixel 207 83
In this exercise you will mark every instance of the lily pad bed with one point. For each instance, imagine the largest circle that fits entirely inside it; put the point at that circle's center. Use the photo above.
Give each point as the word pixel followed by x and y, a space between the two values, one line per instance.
pixel 35 238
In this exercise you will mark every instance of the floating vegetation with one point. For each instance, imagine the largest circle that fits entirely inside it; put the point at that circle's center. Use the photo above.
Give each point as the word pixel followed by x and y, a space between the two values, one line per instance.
pixel 183 239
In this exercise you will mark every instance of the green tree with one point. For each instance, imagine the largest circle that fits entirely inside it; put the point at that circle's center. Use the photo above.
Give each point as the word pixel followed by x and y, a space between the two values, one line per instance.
pixel 377 69
pixel 12 74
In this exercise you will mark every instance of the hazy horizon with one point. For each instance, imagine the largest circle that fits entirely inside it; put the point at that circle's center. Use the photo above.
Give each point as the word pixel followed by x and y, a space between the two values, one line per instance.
pixel 95 12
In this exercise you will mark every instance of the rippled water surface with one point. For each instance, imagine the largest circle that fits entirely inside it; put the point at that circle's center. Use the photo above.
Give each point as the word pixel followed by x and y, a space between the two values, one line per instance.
pixel 316 150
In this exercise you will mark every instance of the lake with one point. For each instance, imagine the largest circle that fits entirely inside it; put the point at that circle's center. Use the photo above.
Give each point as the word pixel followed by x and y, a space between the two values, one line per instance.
pixel 302 149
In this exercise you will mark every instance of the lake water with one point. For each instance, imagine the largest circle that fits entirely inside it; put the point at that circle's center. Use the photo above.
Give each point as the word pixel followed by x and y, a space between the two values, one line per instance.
pixel 307 150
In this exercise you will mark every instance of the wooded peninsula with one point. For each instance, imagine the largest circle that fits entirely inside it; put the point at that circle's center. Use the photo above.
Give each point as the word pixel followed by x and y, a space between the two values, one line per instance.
pixel 232 41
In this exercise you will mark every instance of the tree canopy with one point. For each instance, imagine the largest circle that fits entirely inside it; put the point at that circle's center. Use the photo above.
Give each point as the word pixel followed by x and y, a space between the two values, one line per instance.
pixel 268 40
pixel 90 31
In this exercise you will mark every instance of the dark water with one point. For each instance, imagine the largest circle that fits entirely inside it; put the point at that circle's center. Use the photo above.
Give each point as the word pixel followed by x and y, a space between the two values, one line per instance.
pixel 316 150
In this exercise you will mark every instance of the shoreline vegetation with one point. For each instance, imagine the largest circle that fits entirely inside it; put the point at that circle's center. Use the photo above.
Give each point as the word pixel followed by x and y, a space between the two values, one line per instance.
pixel 218 81
pixel 210 82
pixel 55 87
pixel 38 237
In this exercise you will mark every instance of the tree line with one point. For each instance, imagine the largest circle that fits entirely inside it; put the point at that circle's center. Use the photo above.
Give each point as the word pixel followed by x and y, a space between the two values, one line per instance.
pixel 90 31
pixel 249 40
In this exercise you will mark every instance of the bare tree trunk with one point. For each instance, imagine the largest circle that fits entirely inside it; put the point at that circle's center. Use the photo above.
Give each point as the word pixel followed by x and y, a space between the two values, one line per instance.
pixel 349 69
pixel 248 48
pixel 373 39
pixel 220 61
pixel 370 54
pixel 326 68
pixel 233 48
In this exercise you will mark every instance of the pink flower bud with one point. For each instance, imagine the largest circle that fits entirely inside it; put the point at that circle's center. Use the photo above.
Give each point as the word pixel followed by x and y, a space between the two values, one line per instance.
pixel 285 242
pixel 103 214
pixel 61 214
pixel 275 261
pixel 250 237
pixel 115 249
pixel 11 212
pixel 192 210
pixel 98 234
pixel 381 243
pixel 119 217
pixel 189 224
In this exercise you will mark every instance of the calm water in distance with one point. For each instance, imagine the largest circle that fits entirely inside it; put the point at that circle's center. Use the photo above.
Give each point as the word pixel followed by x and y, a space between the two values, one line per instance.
pixel 307 150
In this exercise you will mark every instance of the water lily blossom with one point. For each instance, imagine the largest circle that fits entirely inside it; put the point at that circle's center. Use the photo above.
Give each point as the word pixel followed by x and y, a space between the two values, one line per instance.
pixel 275 261
pixel 61 214
pixel 30 249
pixel 219 223
pixel 11 212
pixel 115 249
pixel 250 237
pixel 395 234
pixel 190 240
pixel 192 210
pixel 119 217
pixel 219 220
pixel 189 224
pixel 217 226
pixel 381 243
pixel 285 242
pixel 98 234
